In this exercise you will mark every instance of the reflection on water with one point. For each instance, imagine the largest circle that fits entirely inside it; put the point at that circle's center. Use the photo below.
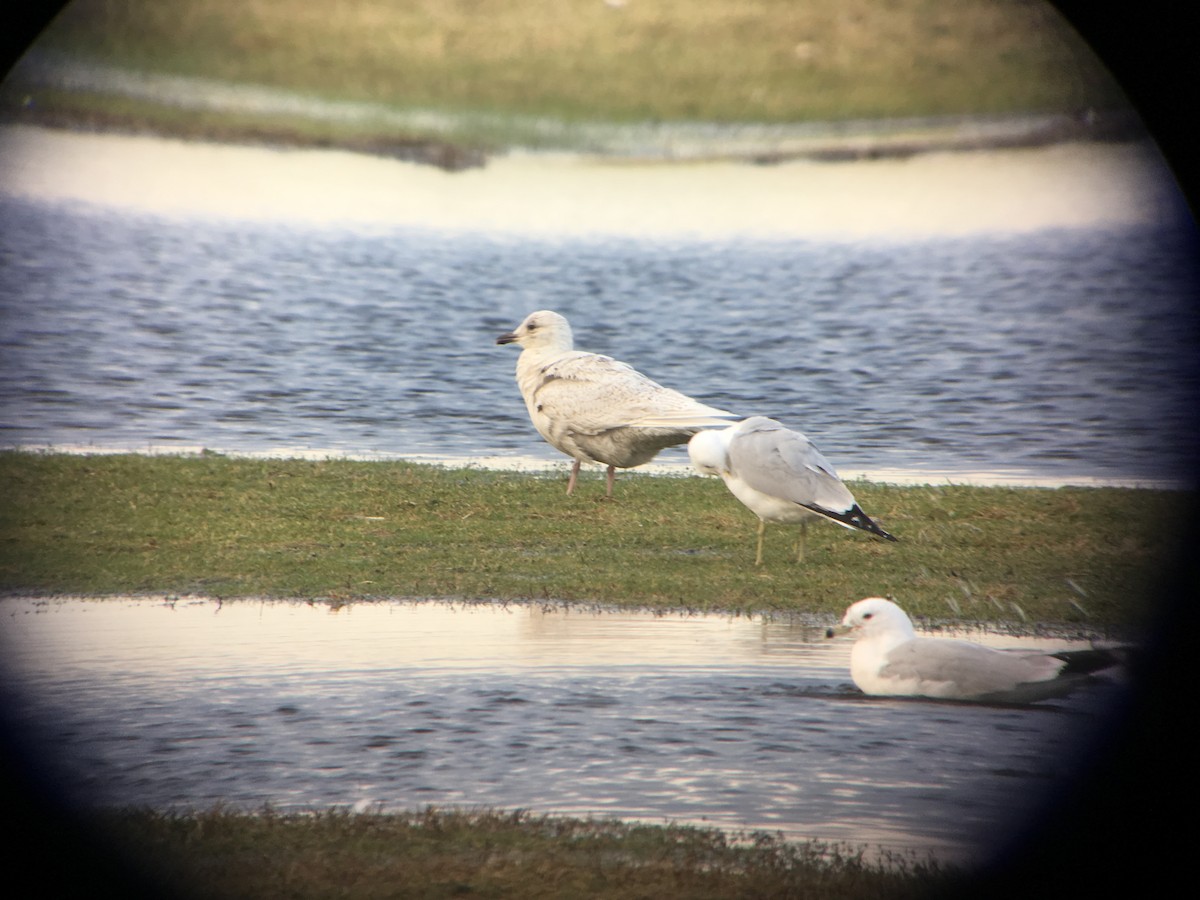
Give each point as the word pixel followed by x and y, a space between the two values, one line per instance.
pixel 737 722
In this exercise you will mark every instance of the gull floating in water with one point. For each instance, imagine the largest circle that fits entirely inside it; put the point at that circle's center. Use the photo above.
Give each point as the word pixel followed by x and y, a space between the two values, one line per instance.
pixel 780 476
pixel 594 408
pixel 888 659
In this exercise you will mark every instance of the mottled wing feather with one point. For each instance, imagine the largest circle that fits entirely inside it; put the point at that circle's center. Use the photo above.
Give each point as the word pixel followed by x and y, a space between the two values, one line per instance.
pixel 597 393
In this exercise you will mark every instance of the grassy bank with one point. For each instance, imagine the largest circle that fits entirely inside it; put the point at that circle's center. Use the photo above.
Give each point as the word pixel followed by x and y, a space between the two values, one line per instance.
pixel 766 61
pixel 345 530
pixel 432 854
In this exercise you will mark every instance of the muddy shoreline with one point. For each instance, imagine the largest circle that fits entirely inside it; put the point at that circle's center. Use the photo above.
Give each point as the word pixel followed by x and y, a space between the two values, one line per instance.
pixel 445 155
pixel 836 144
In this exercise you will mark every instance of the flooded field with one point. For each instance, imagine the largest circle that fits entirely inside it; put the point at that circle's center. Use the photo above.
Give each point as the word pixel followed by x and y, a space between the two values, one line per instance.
pixel 737 722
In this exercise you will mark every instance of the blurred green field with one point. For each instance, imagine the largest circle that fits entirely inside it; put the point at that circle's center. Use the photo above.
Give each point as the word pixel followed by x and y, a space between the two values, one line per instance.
pixel 755 61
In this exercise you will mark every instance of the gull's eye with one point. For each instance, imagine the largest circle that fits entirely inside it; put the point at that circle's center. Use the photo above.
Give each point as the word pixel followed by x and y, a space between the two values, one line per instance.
pixel 867 616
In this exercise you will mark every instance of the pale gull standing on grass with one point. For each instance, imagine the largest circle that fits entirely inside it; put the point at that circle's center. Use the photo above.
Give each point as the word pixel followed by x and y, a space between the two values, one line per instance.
pixel 594 408
pixel 780 476
pixel 888 659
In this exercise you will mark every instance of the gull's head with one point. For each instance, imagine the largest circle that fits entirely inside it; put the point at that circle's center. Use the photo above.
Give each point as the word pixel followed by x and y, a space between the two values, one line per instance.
pixel 543 329
pixel 873 617
pixel 709 451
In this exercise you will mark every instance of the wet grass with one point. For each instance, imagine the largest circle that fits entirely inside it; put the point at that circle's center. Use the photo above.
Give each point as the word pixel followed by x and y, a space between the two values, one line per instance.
pixel 767 61
pixel 342 531
pixel 432 853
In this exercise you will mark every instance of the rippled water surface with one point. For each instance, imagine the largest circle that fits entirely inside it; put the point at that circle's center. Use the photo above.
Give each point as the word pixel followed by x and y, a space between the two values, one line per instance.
pixel 1008 312
pixel 1065 352
pixel 736 722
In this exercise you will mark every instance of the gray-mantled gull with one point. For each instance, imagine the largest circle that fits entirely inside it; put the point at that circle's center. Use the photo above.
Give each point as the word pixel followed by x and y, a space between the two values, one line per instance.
pixel 888 659
pixel 594 408
pixel 780 476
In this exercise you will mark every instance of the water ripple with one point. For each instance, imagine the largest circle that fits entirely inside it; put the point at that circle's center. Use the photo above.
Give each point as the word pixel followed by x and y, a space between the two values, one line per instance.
pixel 401 705
pixel 1058 352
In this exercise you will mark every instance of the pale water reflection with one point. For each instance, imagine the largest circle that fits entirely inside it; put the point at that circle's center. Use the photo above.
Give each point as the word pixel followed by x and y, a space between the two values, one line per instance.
pixel 734 721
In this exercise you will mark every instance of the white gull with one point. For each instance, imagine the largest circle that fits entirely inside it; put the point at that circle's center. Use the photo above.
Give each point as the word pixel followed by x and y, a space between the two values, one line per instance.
pixel 888 659
pixel 594 408
pixel 780 476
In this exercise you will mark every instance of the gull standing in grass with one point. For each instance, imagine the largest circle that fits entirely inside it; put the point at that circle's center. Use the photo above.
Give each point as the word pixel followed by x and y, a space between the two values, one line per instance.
pixel 780 476
pixel 594 408
pixel 888 659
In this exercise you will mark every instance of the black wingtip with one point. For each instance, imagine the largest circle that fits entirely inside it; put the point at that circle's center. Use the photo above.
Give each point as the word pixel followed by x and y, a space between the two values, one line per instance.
pixel 1086 662
pixel 860 519
pixel 856 518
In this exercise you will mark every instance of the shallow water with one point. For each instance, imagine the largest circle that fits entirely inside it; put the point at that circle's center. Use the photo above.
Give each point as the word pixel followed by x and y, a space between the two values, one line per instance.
pixel 737 722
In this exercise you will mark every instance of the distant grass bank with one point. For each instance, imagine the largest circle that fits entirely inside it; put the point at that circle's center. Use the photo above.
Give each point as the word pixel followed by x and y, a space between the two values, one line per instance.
pixel 761 60
pixel 678 61
pixel 343 531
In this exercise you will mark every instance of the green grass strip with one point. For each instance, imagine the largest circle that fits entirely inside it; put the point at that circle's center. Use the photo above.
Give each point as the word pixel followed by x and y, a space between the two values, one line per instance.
pixel 347 530
pixel 439 853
